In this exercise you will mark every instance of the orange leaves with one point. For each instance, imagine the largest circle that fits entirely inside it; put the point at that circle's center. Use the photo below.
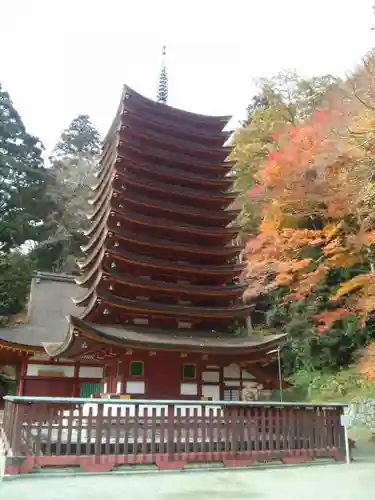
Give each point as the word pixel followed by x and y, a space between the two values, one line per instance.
pixel 256 192
pixel 317 177
pixel 366 365
pixel 343 260
pixel 358 295
pixel 306 284
pixel 326 319
pixel 363 281
pixel 339 253
pixel 367 239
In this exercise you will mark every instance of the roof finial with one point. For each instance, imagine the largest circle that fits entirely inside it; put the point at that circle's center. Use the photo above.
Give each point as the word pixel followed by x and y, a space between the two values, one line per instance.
pixel 162 94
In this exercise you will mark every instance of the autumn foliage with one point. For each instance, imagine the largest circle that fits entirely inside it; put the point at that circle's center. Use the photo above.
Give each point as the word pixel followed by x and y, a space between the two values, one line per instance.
pixel 366 365
pixel 317 193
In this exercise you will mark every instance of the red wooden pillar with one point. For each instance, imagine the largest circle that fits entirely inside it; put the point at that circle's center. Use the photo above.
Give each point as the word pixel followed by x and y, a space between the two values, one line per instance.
pixel 111 381
pixel 199 368
pixel 119 377
pixel 76 385
pixel 23 371
pixel 221 382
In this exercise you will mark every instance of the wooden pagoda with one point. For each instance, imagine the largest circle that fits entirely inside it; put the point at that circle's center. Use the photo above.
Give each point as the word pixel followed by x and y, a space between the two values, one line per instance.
pixel 159 280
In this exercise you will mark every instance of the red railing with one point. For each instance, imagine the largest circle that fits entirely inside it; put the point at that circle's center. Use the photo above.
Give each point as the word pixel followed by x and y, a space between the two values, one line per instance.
pixel 101 434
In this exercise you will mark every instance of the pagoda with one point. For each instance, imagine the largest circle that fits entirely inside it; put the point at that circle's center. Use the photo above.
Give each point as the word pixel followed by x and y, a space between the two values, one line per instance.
pixel 159 289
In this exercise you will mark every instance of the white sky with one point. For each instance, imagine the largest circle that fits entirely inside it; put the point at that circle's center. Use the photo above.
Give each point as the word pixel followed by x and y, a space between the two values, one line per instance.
pixel 59 58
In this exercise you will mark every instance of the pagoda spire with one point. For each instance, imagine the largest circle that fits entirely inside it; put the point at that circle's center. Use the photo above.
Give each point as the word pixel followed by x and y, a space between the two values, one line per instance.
pixel 162 93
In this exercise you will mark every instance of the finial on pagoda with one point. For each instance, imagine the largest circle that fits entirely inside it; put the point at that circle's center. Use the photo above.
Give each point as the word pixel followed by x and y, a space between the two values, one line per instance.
pixel 162 94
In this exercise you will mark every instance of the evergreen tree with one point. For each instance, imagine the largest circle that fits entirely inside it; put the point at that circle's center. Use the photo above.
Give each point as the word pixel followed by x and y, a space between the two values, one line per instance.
pixel 23 180
pixel 74 162
pixel 80 139
pixel 15 276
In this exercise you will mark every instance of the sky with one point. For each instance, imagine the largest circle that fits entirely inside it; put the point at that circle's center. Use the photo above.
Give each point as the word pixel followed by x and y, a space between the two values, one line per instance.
pixel 60 58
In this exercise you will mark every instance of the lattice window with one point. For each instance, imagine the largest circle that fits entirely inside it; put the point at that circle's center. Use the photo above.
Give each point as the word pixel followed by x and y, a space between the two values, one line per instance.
pixel 232 395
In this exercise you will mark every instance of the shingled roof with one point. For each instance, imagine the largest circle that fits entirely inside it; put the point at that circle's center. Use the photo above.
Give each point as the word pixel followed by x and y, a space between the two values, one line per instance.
pixel 52 316
pixel 49 307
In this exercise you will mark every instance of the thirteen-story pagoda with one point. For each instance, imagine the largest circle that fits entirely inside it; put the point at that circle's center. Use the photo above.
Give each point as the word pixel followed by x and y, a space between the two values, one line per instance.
pixel 159 289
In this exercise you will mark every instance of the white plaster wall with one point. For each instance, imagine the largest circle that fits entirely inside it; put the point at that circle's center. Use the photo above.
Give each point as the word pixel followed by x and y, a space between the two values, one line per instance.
pixel 90 372
pixel 40 357
pixel 231 383
pixel 33 369
pixel 232 371
pixel 210 376
pixel 189 389
pixel 247 376
pixel 184 324
pixel 140 321
pixel 135 387
pixel 211 391
pixel 251 383
pixel 119 387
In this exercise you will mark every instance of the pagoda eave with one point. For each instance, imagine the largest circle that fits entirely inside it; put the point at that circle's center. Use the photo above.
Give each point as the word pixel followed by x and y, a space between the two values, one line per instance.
pixel 83 336
pixel 101 190
pixel 19 349
pixel 123 216
pixel 224 197
pixel 174 129
pixel 193 149
pixel 145 285
pixel 224 272
pixel 99 304
pixel 142 241
pixel 175 174
pixel 118 197
pixel 216 123
pixel 181 161
pixel 125 220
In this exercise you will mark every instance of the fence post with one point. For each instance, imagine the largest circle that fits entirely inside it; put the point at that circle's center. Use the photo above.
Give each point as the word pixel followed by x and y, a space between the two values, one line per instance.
pixel 170 432
pixel 344 419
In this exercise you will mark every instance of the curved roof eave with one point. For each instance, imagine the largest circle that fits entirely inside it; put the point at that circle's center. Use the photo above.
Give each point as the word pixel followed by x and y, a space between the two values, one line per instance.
pixel 158 339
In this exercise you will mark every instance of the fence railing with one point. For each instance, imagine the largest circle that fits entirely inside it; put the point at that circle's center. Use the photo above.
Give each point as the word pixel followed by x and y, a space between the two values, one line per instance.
pixel 100 434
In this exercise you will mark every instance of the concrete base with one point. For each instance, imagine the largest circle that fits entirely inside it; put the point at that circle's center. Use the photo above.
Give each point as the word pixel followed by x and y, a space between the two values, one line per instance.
pixel 336 482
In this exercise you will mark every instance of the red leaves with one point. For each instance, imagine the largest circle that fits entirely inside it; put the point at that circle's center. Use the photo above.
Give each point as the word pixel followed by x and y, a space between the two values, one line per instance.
pixel 367 363
pixel 316 178
pixel 276 135
pixel 326 319
pixel 256 192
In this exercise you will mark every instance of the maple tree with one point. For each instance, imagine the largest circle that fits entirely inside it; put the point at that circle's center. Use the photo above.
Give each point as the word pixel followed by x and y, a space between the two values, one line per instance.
pixel 281 101
pixel 317 192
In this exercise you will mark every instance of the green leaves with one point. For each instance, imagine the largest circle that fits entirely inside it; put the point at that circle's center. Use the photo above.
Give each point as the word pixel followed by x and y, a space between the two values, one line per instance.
pixel 80 139
pixel 74 162
pixel 23 180
pixel 15 276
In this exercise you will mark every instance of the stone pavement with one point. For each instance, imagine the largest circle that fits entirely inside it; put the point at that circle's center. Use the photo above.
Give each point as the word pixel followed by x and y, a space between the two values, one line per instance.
pixel 334 482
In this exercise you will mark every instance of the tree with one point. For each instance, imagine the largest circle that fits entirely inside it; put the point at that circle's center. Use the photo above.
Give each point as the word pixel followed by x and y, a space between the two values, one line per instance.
pixel 74 163
pixel 318 191
pixel 81 138
pixel 15 276
pixel 23 180
pixel 281 103
pixel 70 193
